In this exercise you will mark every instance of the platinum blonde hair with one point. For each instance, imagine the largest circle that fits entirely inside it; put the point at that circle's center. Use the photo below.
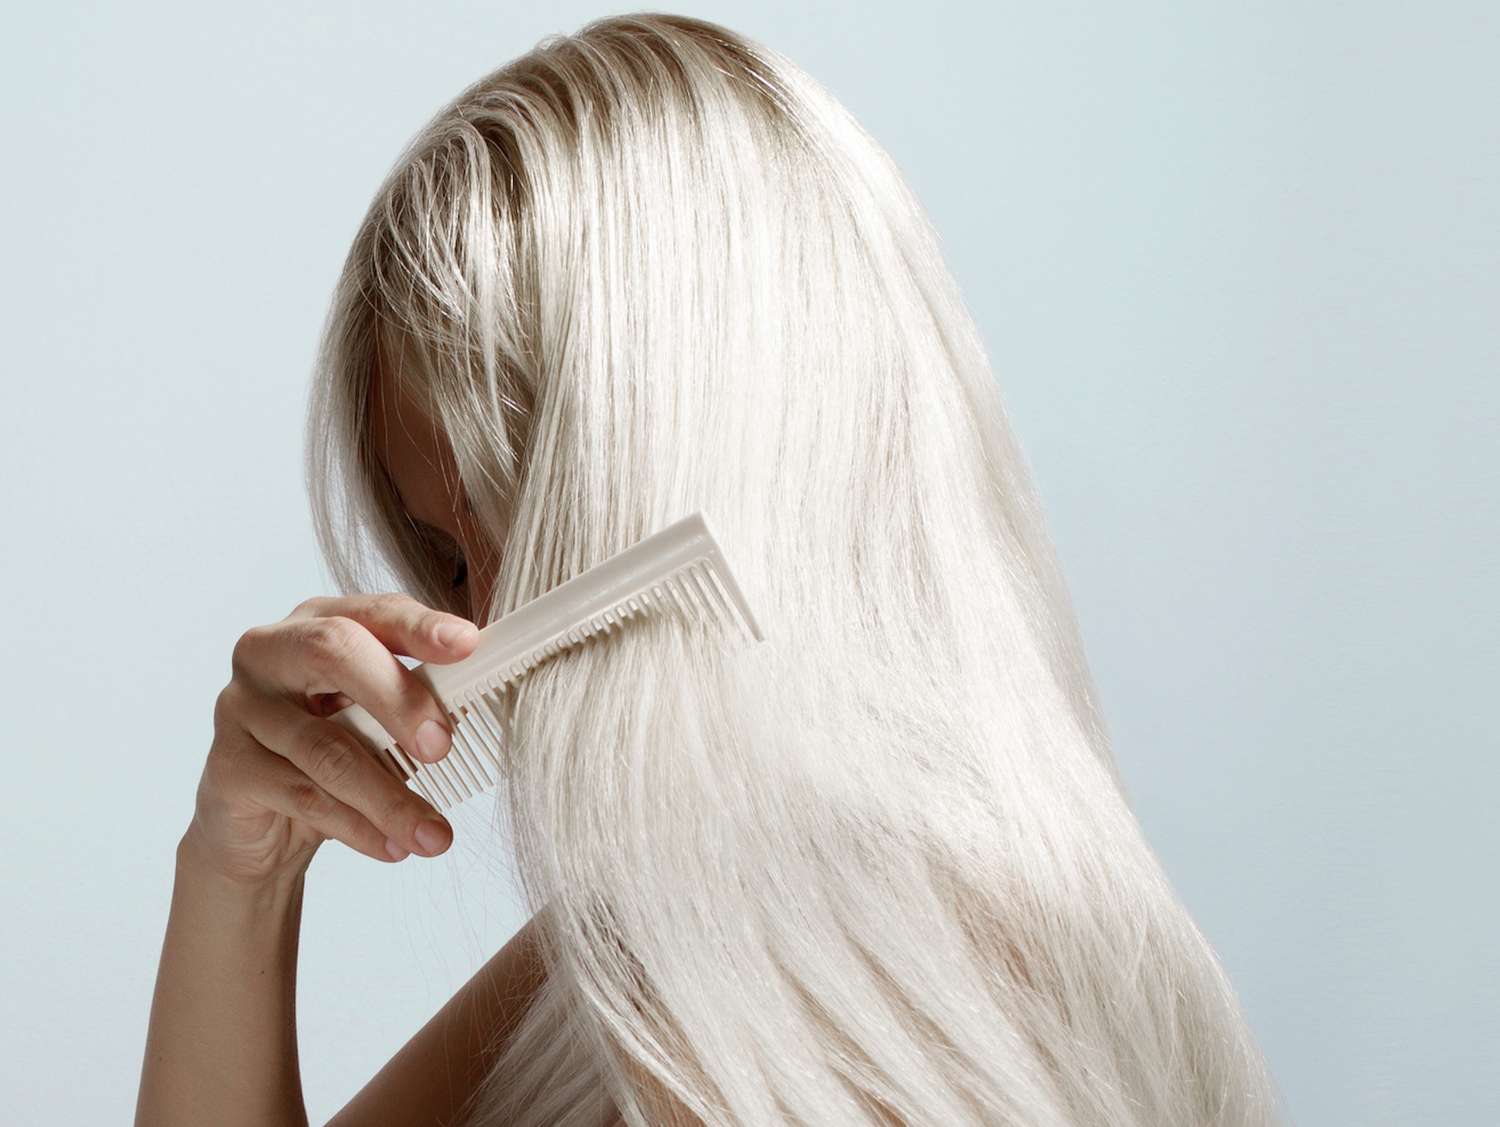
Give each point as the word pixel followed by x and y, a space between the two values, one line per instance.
pixel 878 869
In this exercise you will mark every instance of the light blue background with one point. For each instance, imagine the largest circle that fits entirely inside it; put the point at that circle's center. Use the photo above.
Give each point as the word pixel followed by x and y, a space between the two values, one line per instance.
pixel 1237 268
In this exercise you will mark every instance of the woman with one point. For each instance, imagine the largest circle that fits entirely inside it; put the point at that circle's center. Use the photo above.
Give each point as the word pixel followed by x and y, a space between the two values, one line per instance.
pixel 878 869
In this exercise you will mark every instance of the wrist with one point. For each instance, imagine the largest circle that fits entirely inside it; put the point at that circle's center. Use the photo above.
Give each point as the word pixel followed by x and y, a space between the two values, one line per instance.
pixel 199 863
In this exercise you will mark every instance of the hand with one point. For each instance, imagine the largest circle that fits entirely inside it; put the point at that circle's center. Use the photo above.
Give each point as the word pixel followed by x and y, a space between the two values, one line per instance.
pixel 281 778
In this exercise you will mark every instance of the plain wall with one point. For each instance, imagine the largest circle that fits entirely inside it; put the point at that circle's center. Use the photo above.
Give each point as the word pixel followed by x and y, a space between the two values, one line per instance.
pixel 1237 269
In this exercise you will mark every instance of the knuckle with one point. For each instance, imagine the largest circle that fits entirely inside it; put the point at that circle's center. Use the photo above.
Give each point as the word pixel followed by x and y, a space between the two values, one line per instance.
pixel 244 649
pixel 330 759
pixel 409 613
pixel 330 640
pixel 309 607
pixel 310 800
pixel 397 812
pixel 399 603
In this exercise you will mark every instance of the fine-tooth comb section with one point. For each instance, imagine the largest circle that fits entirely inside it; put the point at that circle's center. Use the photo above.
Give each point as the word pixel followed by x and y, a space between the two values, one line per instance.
pixel 678 572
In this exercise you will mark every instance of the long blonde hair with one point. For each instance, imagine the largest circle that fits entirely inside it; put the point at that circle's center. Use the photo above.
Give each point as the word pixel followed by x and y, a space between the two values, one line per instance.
pixel 878 869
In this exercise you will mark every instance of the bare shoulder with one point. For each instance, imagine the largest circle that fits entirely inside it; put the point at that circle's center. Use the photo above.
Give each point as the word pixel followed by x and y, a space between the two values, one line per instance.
pixel 433 1074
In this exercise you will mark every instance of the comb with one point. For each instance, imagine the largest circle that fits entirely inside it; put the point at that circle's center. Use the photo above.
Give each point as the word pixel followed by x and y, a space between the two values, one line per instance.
pixel 680 569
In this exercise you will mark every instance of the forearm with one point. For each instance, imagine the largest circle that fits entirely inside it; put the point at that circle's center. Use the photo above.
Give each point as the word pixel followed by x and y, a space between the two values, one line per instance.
pixel 221 1046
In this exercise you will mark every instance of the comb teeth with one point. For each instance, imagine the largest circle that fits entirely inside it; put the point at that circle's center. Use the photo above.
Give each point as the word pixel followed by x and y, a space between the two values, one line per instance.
pixel 679 570
pixel 473 763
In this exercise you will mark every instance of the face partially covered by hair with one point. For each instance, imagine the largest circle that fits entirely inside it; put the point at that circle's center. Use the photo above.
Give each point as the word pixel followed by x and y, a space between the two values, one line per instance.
pixel 418 459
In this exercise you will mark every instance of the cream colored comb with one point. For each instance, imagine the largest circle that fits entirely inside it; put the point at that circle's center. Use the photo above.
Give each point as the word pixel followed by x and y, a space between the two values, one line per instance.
pixel 679 568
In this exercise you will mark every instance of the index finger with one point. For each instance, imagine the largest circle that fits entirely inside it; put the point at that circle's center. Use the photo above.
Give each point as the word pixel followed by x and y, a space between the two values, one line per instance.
pixel 402 624
pixel 305 656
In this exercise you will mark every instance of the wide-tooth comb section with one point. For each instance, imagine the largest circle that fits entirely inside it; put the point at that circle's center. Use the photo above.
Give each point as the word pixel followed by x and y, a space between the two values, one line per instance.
pixel 678 572
pixel 474 762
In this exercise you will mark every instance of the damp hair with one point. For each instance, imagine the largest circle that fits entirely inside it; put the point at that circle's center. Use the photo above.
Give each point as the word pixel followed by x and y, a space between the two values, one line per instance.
pixel 880 868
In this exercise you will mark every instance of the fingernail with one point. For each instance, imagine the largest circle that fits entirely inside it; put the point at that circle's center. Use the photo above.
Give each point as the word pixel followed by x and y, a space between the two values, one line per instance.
pixel 453 633
pixel 397 851
pixel 431 836
pixel 432 738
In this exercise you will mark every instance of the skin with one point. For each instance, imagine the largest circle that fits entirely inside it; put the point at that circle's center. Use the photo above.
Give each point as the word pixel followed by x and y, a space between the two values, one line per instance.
pixel 421 466
pixel 279 780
